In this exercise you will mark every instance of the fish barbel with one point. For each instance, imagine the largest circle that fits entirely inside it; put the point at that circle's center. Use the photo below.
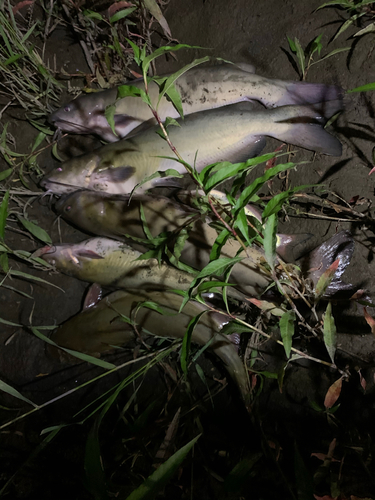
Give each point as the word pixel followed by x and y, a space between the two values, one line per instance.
pixel 225 134
pixel 99 328
pixel 201 88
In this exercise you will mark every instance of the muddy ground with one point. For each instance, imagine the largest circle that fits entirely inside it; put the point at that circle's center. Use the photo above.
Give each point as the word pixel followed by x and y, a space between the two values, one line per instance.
pixel 252 32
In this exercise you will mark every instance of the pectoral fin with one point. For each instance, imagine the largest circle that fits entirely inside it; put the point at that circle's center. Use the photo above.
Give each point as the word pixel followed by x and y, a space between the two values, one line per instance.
pixel 119 174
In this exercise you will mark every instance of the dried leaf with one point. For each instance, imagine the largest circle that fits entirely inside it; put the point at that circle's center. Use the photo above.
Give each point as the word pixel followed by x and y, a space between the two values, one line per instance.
pixel 333 393
pixel 325 279
pixel 370 320
pixel 155 11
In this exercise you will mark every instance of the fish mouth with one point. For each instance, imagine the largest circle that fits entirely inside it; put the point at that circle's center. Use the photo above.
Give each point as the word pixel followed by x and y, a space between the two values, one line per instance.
pixel 68 126
pixel 48 249
pixel 47 183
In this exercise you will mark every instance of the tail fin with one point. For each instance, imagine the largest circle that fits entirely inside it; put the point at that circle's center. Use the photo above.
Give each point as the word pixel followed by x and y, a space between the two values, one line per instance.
pixel 313 265
pixel 318 94
pixel 305 128
pixel 291 247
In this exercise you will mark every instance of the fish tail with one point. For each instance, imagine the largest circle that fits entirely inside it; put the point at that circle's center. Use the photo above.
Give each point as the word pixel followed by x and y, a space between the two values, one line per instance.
pixel 313 265
pixel 302 126
pixel 291 247
pixel 318 94
pixel 227 352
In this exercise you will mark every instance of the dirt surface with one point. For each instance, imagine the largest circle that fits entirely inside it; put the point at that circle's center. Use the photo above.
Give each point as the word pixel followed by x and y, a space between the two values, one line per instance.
pixel 255 33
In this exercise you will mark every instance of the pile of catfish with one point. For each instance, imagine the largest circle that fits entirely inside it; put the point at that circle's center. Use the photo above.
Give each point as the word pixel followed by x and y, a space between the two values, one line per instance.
pixel 95 196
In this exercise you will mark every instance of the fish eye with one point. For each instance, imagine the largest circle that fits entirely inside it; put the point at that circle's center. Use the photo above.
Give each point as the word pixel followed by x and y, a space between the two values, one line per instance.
pixel 67 109
pixel 68 208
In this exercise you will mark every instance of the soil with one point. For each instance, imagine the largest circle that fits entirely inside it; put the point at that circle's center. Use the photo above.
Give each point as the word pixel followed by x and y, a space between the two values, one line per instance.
pixel 255 33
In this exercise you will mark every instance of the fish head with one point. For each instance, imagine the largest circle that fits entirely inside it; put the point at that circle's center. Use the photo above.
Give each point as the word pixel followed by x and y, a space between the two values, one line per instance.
pixel 86 115
pixel 81 207
pixel 67 257
pixel 72 174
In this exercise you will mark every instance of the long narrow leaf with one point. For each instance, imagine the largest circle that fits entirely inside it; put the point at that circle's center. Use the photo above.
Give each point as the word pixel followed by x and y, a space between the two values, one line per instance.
pixel 363 88
pixel 157 480
pixel 13 392
pixel 93 464
pixel 76 354
pixel 329 332
pixel 287 330
pixel 155 11
pixel 172 78
pixel 35 230
pixel 270 229
pixel 3 214
pixel 254 187
pixel 185 349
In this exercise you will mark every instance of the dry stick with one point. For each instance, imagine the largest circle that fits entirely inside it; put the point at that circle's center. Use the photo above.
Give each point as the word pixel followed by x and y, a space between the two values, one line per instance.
pixel 47 403
pixel 331 204
pixel 230 229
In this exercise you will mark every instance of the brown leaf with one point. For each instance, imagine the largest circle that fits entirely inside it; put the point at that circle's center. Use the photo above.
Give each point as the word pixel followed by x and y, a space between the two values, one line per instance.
pixel 326 278
pixel 333 393
pixel 165 450
pixel 358 294
pixel 272 162
pixel 155 11
pixel 362 381
pixel 20 5
pixel 370 320
pixel 115 7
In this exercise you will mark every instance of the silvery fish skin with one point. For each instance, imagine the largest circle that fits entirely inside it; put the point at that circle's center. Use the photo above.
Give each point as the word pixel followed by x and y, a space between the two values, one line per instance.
pixel 97 329
pixel 201 88
pixel 113 263
pixel 226 134
pixel 117 217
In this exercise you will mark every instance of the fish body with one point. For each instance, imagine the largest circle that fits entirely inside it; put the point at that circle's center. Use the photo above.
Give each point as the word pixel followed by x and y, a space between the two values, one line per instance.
pixel 201 89
pixel 225 134
pixel 97 329
pixel 113 263
pixel 119 217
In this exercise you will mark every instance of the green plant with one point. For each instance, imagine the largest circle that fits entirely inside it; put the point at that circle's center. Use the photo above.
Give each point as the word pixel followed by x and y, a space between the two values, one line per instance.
pixel 358 10
pixel 305 57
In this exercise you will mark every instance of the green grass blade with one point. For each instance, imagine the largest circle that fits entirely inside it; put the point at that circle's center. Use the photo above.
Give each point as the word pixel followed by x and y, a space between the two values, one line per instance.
pixel 121 14
pixel 35 230
pixel 157 480
pixel 5 174
pixel 76 354
pixel 169 82
pixel 270 239
pixel 3 214
pixel 186 342
pixel 286 323
pixel 329 332
pixel 93 464
pixel 363 88
pixel 13 392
